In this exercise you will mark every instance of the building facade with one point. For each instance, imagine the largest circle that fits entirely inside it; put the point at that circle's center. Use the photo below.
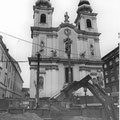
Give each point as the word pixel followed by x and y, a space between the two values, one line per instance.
pixel 111 71
pixel 10 79
pixel 85 57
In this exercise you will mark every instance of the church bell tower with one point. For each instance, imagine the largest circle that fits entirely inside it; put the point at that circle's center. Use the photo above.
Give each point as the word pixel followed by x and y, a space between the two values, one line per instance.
pixel 40 31
pixel 86 19
pixel 43 14
pixel 86 22
pixel 42 22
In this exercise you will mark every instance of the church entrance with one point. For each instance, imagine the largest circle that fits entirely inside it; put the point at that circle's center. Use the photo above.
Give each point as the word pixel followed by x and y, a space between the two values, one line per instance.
pixel 67 75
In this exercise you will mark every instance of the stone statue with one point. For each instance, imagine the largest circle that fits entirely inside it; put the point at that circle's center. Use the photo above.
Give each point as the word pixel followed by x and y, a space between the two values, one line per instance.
pixel 66 18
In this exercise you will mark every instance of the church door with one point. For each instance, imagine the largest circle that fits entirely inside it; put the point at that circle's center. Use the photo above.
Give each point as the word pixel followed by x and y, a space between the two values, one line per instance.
pixel 67 75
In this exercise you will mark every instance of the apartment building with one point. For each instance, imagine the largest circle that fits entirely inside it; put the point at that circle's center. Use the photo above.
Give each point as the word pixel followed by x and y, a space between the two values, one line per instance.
pixel 11 81
pixel 111 71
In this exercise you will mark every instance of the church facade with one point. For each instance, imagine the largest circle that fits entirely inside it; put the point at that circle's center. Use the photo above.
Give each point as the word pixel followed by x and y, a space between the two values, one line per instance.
pixel 50 42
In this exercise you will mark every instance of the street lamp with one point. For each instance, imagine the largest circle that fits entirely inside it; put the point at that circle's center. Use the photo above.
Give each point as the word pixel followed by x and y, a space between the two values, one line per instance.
pixel 42 45
pixel 37 86
pixel 85 90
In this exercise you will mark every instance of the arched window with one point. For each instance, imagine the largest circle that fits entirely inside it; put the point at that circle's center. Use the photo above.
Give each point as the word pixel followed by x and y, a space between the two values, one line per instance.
pixel 89 25
pixel 43 18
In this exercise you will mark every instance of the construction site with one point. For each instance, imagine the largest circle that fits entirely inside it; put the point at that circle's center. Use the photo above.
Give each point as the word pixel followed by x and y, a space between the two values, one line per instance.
pixel 60 107
pixel 68 78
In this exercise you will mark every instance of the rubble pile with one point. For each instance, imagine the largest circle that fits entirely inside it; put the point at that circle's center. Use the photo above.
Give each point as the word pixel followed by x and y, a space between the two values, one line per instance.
pixel 25 116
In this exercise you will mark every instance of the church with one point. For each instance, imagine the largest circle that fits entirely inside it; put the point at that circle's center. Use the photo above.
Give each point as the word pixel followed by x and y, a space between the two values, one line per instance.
pixel 84 55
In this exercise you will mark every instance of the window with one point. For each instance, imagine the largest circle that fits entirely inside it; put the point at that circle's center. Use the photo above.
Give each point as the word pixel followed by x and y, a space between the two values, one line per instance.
pixel 117 59
pixel 41 82
pixel 8 82
pixel 107 81
pixel 6 64
pixel 117 68
pixel 111 70
pixel 43 18
pixel 112 78
pixel 110 63
pixel 5 80
pixel 114 89
pixel 10 67
pixel 106 73
pixel 2 57
pixel 88 21
pixel 11 86
pixel 105 66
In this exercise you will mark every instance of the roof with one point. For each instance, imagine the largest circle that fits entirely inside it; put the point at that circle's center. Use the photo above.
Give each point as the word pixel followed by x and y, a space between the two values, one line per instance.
pixel 84 6
pixel 62 25
pixel 83 2
pixel 43 3
pixel 110 54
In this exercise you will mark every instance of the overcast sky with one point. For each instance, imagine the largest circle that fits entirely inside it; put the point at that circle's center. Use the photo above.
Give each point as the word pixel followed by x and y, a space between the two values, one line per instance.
pixel 16 18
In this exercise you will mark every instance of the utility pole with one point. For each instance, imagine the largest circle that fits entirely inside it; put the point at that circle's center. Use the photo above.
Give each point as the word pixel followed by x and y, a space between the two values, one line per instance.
pixel 85 90
pixel 69 62
pixel 37 86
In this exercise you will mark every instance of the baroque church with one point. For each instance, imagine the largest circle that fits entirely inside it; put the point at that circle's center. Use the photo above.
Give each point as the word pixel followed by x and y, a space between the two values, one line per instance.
pixel 50 42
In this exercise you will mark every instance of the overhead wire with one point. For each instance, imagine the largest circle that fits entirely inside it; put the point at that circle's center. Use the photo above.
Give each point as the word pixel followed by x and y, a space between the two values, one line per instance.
pixel 40 46
pixel 28 41
pixel 13 61
pixel 17 38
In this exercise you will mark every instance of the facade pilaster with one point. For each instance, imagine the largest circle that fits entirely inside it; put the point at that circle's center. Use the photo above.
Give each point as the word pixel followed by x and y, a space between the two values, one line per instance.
pixel 48 83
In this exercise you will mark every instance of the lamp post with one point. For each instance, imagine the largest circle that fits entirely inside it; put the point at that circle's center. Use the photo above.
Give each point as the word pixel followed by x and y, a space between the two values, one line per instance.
pixel 37 86
pixel 69 59
pixel 85 90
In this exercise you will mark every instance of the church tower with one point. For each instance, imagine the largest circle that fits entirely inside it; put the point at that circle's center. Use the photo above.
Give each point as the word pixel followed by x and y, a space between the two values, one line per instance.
pixel 40 32
pixel 85 16
pixel 50 42
pixel 86 22
pixel 43 14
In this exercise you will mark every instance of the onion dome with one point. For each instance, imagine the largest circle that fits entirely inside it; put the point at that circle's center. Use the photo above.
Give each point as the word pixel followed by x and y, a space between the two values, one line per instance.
pixel 84 6
pixel 43 3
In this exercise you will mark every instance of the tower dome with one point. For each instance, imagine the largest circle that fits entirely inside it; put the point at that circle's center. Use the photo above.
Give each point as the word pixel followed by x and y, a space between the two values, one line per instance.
pixel 42 3
pixel 84 6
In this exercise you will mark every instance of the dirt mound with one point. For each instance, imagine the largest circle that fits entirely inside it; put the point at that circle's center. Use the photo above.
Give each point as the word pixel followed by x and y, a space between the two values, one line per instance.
pixel 25 116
